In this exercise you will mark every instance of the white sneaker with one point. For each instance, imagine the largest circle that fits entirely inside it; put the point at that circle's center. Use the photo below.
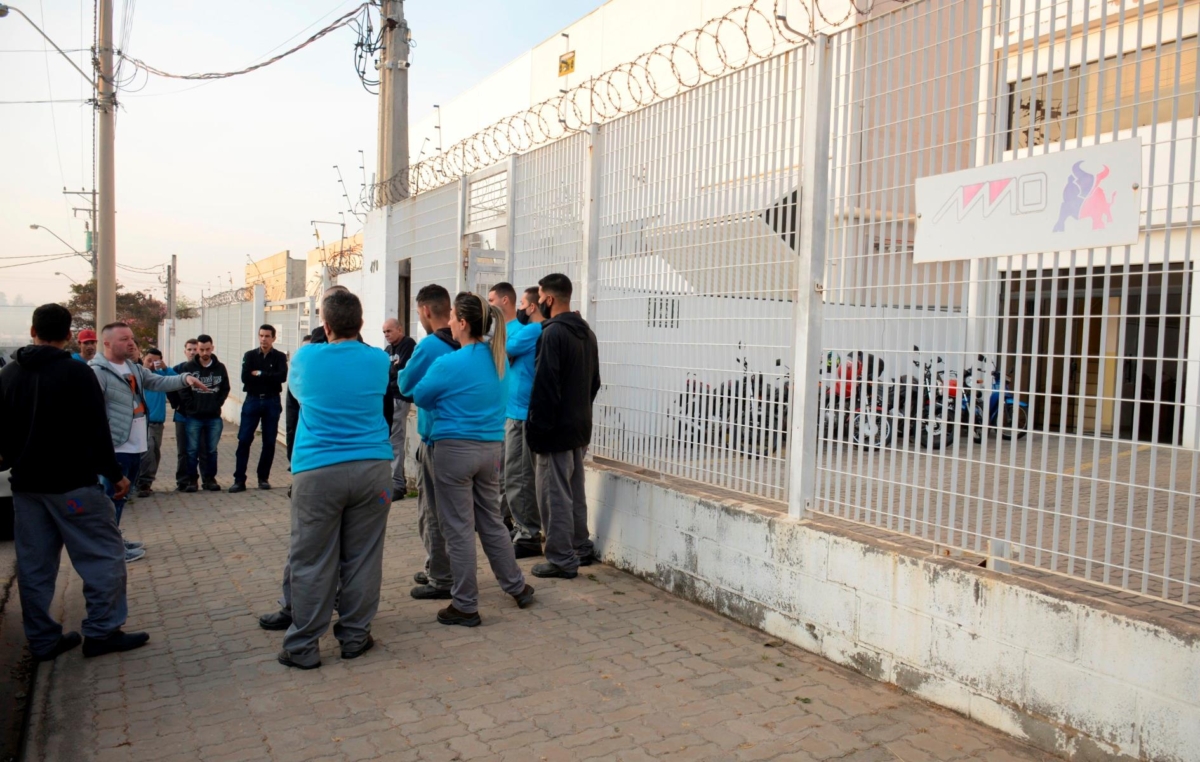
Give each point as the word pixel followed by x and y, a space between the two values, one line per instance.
pixel 134 554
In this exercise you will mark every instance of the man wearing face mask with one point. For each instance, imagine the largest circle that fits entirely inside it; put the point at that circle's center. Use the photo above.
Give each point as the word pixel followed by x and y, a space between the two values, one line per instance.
pixel 521 347
pixel 558 428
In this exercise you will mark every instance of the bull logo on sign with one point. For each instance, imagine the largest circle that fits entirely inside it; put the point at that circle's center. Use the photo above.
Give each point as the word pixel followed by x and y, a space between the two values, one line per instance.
pixel 1083 198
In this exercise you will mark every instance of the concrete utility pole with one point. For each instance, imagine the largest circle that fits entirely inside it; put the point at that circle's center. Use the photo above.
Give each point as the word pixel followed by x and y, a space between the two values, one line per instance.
pixel 106 106
pixel 393 99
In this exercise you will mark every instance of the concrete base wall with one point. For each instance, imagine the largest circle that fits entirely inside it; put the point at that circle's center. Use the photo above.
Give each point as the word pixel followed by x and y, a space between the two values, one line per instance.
pixel 1061 672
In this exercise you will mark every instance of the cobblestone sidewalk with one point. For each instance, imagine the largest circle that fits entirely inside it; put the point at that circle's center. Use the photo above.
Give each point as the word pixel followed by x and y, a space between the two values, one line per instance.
pixel 602 667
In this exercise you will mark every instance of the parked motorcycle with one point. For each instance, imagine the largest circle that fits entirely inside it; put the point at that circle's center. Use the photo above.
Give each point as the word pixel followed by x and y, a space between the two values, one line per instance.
pixel 921 404
pixel 853 401
pixel 982 406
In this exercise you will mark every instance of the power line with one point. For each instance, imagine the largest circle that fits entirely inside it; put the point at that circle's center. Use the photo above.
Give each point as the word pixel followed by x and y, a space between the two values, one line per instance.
pixel 342 21
pixel 31 50
pixel 52 100
pixel 39 262
pixel 38 256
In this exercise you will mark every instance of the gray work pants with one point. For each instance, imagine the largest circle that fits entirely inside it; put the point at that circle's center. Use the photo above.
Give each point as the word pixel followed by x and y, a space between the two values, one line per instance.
pixel 85 521
pixel 563 506
pixel 468 490
pixel 150 458
pixel 400 410
pixel 505 508
pixel 429 524
pixel 519 485
pixel 339 518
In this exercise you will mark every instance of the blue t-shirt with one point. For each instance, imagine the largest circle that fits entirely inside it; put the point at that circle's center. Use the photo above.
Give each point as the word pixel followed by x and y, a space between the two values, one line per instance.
pixel 465 395
pixel 522 351
pixel 423 357
pixel 340 388
pixel 156 402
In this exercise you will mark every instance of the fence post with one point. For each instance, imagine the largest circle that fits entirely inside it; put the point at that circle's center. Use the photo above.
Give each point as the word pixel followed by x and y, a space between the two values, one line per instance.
pixel 813 221
pixel 258 315
pixel 589 266
pixel 460 271
pixel 510 243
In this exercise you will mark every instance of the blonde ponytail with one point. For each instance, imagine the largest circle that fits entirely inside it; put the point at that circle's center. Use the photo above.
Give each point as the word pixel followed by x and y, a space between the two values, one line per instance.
pixel 499 353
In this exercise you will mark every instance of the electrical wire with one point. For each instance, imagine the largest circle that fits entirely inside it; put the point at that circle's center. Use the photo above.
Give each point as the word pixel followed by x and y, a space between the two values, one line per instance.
pixel 39 256
pixel 55 100
pixel 39 262
pixel 342 21
pixel 745 35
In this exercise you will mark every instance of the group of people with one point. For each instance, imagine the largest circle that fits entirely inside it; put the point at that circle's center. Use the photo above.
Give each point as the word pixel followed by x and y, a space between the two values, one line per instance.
pixel 503 389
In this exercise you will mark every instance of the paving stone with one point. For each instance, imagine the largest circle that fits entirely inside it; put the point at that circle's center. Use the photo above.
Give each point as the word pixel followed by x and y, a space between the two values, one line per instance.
pixel 584 674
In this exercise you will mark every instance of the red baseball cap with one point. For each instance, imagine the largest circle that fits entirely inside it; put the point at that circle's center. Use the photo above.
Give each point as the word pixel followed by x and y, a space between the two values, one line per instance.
pixel 87 334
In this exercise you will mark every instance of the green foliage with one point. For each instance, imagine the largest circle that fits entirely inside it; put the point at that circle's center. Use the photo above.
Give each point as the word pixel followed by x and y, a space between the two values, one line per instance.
pixel 141 311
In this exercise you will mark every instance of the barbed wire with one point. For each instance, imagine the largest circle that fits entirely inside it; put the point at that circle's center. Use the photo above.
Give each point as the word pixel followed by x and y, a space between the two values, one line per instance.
pixel 232 296
pixel 722 45
pixel 343 20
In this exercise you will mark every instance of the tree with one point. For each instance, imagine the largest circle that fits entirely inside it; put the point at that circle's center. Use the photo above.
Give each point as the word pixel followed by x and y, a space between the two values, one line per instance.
pixel 141 311
pixel 186 308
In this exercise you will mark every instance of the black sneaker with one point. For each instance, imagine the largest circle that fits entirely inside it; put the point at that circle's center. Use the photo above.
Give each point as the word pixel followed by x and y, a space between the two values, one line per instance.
pixel 588 560
pixel 212 486
pixel 451 615
pixel 421 578
pixel 115 642
pixel 285 659
pixel 65 643
pixel 144 492
pixel 548 570
pixel 359 651
pixel 525 597
pixel 264 484
pixel 522 550
pixel 237 487
pixel 276 620
pixel 429 593
pixel 191 488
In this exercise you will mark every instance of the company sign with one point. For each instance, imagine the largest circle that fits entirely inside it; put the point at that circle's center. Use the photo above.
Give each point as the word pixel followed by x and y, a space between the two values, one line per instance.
pixel 1078 199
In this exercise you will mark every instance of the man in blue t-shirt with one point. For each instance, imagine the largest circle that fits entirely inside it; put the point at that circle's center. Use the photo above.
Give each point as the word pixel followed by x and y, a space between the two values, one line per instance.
pixel 156 417
pixel 518 488
pixel 341 487
pixel 433 310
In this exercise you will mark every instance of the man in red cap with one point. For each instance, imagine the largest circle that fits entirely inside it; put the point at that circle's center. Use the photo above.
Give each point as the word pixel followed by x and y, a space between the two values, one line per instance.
pixel 87 346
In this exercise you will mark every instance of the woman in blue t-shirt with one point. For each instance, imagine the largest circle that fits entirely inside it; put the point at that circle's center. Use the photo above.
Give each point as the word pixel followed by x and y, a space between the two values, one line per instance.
pixel 466 396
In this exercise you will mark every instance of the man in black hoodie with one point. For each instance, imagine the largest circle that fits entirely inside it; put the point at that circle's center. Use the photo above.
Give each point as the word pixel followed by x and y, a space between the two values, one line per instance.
pixel 558 430
pixel 203 411
pixel 56 439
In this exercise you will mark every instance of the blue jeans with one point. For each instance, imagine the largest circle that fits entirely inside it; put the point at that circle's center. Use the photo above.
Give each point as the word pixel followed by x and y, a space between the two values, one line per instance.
pixel 211 427
pixel 83 521
pixel 256 409
pixel 130 463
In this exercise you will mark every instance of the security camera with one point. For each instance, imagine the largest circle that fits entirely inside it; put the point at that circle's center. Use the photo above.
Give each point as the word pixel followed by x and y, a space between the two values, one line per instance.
pixel 407 65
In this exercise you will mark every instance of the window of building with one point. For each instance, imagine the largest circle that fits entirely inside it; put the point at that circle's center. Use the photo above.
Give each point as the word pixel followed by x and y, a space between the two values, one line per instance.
pixel 1116 93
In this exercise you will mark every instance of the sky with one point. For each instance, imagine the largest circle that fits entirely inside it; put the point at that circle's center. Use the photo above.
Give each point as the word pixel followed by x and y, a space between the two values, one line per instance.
pixel 220 172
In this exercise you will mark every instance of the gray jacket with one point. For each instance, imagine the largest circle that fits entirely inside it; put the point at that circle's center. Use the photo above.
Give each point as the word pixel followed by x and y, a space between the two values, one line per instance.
pixel 119 397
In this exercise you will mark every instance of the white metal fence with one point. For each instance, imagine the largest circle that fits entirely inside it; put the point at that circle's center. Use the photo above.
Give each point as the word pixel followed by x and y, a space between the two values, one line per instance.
pixel 743 251
pixel 1044 415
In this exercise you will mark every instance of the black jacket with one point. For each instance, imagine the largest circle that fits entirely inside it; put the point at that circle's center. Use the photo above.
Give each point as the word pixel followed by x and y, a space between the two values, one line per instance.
pixel 53 425
pixel 203 405
pixel 400 353
pixel 566 379
pixel 273 372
